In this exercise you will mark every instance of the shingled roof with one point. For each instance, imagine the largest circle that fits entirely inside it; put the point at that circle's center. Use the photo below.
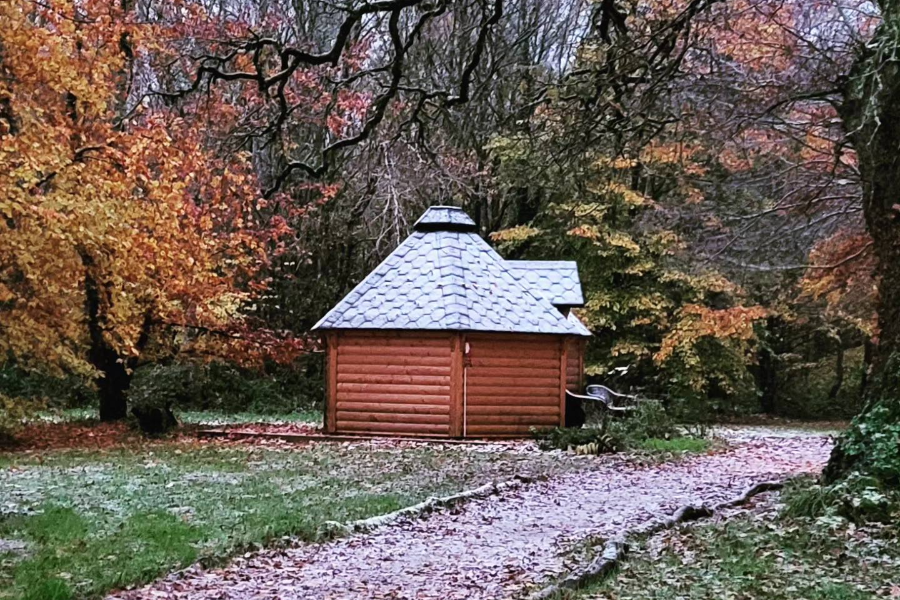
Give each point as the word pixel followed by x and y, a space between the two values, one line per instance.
pixel 556 280
pixel 445 277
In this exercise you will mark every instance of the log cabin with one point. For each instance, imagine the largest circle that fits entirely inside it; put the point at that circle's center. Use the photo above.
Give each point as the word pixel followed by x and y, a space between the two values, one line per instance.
pixel 445 338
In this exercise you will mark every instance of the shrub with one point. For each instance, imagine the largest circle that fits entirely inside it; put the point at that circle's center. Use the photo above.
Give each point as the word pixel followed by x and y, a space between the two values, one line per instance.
pixel 55 392
pixel 857 498
pixel 13 412
pixel 218 386
pixel 648 420
pixel 590 440
pixel 872 443
pixel 649 428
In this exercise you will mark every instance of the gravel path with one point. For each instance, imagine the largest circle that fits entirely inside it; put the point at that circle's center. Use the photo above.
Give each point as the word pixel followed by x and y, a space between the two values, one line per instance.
pixel 498 546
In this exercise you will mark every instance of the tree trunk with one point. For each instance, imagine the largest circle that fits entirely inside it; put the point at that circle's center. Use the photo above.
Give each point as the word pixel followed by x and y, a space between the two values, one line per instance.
pixel 838 372
pixel 115 370
pixel 112 388
pixel 871 113
pixel 115 378
pixel 868 350
pixel 766 369
pixel 767 380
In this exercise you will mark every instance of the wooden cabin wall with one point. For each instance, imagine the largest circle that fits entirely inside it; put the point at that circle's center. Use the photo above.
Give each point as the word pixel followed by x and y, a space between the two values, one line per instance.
pixel 389 383
pixel 575 365
pixel 513 382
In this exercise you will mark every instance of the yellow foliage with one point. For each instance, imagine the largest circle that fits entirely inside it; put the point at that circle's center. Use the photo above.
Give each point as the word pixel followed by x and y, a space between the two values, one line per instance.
pixel 164 228
pixel 515 234
pixel 630 349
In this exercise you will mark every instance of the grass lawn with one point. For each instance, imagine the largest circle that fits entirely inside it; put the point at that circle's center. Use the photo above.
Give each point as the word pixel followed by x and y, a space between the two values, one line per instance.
pixel 760 554
pixel 675 446
pixel 189 417
pixel 79 522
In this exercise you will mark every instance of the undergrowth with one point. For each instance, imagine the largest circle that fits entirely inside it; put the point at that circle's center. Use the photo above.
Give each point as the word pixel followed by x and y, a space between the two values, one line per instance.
pixel 810 549
pixel 648 428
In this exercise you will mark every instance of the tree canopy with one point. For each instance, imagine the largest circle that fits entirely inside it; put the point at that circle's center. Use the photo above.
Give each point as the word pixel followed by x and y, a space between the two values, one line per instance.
pixel 196 181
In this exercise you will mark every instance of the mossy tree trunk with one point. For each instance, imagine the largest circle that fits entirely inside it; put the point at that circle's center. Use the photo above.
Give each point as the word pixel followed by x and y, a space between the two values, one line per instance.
pixel 871 113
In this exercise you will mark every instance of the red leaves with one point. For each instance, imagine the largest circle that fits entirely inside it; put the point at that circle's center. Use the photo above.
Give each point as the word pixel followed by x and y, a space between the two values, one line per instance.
pixel 842 271
pixel 57 436
pixel 170 224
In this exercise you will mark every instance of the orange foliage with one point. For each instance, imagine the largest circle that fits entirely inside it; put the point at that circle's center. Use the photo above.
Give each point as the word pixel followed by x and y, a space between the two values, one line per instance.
pixel 697 322
pixel 167 229
pixel 843 273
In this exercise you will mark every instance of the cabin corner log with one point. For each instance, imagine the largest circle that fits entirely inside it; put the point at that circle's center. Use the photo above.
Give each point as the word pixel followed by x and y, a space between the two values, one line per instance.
pixel 331 370
pixel 457 352
pixel 563 378
pixel 615 549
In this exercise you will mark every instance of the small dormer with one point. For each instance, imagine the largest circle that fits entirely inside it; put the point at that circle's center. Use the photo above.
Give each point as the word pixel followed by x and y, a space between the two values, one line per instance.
pixel 555 280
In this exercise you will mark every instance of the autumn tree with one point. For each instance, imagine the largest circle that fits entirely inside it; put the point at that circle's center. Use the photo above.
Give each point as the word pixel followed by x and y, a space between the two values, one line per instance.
pixel 870 109
pixel 811 89
pixel 118 231
pixel 659 324
pixel 758 95
pixel 606 170
pixel 822 76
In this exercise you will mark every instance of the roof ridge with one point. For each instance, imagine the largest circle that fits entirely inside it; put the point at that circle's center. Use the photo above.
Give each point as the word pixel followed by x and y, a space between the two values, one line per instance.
pixel 440 266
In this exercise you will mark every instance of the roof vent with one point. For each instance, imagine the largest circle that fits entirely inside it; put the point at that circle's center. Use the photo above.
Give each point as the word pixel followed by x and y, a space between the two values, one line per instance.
pixel 445 218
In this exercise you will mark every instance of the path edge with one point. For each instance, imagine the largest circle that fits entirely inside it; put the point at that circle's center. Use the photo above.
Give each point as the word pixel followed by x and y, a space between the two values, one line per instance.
pixel 337 529
pixel 332 530
pixel 615 549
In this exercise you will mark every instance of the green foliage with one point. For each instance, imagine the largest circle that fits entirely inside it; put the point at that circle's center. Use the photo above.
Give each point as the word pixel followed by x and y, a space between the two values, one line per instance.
pixel 804 388
pixel 871 445
pixel 13 412
pixel 56 392
pixel 857 498
pixel 648 427
pixel 23 393
pixel 712 379
pixel 760 555
pixel 679 445
pixel 222 387
pixel 648 420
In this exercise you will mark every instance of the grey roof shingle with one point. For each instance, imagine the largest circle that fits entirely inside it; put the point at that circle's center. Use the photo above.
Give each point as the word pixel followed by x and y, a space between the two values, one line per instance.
pixel 556 280
pixel 573 318
pixel 446 280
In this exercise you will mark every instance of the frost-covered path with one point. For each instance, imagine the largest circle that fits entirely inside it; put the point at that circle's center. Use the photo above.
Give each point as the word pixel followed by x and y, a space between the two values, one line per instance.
pixel 496 547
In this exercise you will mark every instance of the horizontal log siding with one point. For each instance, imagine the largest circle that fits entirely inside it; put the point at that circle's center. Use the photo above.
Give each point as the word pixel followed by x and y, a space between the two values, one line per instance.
pixel 574 366
pixel 392 383
pixel 512 384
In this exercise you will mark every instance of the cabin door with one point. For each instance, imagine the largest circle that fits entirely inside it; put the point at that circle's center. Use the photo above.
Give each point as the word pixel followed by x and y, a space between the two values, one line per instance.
pixel 511 383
